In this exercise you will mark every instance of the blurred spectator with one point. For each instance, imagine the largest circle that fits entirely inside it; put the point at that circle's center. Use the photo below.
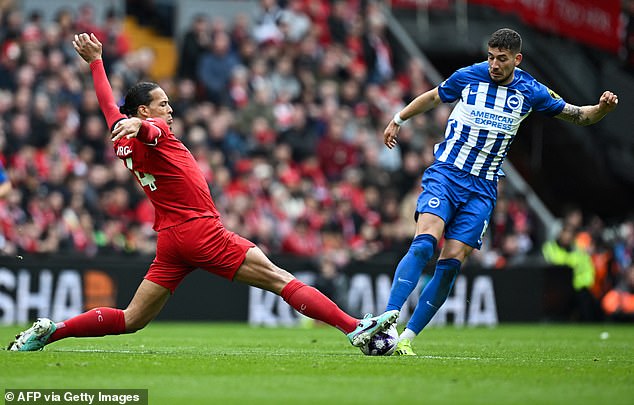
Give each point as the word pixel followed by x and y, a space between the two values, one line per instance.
pixel 284 81
pixel 563 251
pixel 592 240
pixel 618 303
pixel 196 40
pixel 628 35
pixel 510 235
pixel 302 240
pixel 376 48
pixel 334 244
pixel 259 107
pixel 85 20
pixel 330 280
pixel 338 21
pixel 215 67
pixel 33 31
pixel 624 245
pixel 293 22
pixel 301 134
pixel 116 43
pixel 367 243
pixel 133 67
pixel 334 153
pixel 266 19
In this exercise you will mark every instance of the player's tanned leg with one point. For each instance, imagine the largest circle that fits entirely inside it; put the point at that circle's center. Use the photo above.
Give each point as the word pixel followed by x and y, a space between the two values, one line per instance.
pixel 257 270
pixel 147 302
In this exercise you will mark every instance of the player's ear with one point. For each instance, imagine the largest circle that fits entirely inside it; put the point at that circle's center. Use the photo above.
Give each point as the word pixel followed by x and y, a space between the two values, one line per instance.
pixel 143 111
pixel 518 59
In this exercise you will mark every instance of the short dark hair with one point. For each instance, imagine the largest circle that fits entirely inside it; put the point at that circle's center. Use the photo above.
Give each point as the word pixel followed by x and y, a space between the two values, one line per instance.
pixel 506 38
pixel 137 95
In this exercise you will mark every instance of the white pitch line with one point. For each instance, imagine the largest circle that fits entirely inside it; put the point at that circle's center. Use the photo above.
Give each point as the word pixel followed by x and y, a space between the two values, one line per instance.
pixel 241 353
pixel 460 358
pixel 525 360
pixel 104 351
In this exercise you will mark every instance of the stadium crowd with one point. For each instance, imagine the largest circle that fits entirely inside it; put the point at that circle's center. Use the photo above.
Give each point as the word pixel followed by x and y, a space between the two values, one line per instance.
pixel 285 112
pixel 627 49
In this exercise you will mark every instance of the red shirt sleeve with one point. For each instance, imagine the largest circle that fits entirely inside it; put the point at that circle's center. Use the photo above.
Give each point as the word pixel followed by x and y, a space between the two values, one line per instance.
pixel 104 94
pixel 150 131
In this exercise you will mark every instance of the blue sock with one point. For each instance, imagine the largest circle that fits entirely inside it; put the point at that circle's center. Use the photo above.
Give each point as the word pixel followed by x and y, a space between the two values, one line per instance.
pixel 409 270
pixel 434 294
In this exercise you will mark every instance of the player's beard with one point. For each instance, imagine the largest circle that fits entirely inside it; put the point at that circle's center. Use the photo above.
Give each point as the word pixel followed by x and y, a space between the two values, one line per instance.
pixel 500 80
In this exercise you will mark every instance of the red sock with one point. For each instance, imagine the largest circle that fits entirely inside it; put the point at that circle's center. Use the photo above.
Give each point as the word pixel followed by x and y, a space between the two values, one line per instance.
pixel 312 303
pixel 94 323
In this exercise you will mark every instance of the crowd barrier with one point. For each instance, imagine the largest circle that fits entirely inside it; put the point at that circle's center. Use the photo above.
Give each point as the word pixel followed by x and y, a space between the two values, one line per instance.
pixel 59 287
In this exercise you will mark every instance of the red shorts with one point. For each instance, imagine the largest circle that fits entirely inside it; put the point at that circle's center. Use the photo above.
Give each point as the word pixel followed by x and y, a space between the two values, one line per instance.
pixel 198 243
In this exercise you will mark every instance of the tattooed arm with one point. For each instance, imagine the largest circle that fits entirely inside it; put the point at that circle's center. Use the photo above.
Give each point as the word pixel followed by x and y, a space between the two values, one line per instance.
pixel 589 114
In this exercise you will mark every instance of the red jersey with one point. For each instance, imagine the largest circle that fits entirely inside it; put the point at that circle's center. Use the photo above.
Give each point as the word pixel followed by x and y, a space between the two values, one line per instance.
pixel 165 169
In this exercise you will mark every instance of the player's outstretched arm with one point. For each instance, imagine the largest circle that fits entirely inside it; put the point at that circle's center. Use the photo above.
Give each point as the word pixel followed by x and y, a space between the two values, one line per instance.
pixel 590 114
pixel 90 49
pixel 420 104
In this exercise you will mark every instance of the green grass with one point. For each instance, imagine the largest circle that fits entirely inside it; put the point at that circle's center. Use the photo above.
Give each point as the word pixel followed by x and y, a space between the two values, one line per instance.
pixel 213 363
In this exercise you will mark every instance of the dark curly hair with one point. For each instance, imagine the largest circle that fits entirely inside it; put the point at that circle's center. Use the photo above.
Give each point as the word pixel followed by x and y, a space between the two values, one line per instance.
pixel 506 38
pixel 137 95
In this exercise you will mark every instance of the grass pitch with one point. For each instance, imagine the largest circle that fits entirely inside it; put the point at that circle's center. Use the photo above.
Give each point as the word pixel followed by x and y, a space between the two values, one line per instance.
pixel 213 363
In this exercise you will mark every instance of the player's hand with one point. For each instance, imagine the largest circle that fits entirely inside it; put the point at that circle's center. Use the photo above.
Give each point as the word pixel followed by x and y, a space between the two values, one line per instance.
pixel 128 128
pixel 88 47
pixel 608 101
pixel 390 134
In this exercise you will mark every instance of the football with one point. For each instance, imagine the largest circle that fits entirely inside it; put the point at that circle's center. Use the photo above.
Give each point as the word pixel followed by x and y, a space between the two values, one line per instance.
pixel 382 344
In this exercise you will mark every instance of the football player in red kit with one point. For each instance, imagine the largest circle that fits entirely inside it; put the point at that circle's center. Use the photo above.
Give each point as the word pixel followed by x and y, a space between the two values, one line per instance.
pixel 190 233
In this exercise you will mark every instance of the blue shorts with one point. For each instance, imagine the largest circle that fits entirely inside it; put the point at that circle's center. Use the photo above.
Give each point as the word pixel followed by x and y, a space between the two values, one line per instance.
pixel 464 201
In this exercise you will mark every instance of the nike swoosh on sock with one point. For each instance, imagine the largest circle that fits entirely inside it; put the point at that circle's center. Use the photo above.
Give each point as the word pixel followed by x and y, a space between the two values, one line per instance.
pixel 431 305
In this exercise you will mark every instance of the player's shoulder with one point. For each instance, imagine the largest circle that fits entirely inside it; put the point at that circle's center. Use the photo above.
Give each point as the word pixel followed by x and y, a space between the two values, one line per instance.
pixel 522 77
pixel 527 84
pixel 541 96
pixel 477 71
pixel 462 77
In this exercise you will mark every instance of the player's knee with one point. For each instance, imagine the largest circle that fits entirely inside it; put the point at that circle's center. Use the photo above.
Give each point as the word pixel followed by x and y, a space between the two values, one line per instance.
pixel 456 250
pixel 447 270
pixel 423 245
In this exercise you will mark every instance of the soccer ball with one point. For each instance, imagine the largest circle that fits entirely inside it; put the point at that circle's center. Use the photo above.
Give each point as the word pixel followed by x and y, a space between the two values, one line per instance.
pixel 382 344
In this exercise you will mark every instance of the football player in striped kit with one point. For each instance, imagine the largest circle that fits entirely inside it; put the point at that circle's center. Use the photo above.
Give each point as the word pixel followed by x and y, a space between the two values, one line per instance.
pixel 460 187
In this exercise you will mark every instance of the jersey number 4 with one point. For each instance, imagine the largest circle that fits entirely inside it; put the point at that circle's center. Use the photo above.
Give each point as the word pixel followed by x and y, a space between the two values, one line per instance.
pixel 145 179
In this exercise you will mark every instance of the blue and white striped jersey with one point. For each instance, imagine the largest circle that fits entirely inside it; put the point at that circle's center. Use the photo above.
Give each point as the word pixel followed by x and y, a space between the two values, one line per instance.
pixel 487 116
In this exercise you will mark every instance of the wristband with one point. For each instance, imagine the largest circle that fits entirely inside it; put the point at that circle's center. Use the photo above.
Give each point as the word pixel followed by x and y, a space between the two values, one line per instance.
pixel 397 119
